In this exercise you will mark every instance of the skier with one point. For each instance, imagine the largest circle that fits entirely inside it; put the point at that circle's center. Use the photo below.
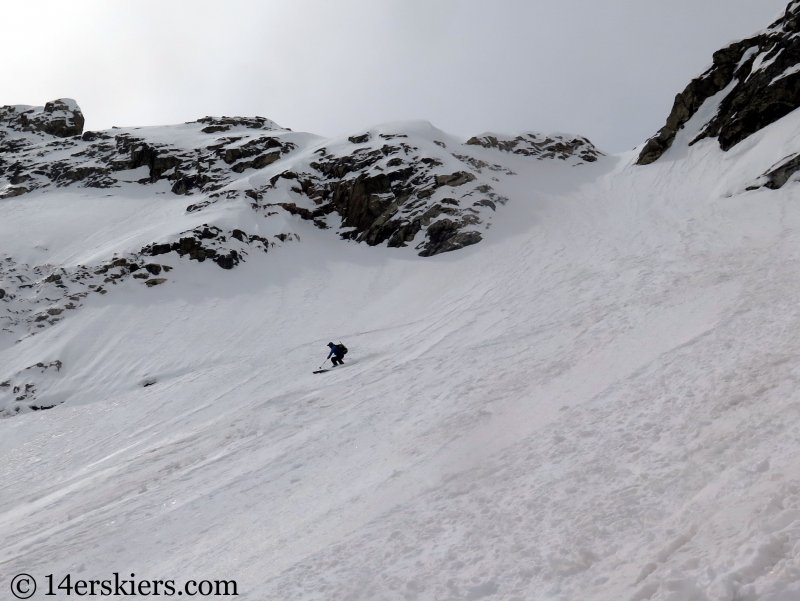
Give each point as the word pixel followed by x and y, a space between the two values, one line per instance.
pixel 337 352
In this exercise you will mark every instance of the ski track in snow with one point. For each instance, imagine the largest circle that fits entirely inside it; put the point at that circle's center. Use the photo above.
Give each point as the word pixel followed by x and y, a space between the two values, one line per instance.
pixel 599 401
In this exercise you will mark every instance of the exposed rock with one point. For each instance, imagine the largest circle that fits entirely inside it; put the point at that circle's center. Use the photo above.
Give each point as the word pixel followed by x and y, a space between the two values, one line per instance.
pixel 228 261
pixel 225 123
pixel 40 296
pixel 91 136
pixel 762 75
pixel 60 118
pixel 380 188
pixel 539 146
pixel 100 160
pixel 258 162
pixel 445 236
pixel 384 193
pixel 389 188
pixel 363 139
pixel 20 392
pixel 207 242
pixel 458 178
pixel 12 191
pixel 779 174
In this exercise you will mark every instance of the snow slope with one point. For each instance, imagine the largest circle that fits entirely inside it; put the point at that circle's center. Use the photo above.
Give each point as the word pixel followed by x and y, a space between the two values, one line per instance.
pixel 599 401
pixel 571 377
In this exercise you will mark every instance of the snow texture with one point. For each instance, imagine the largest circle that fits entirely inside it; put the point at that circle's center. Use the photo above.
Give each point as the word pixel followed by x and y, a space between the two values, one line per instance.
pixel 599 401
pixel 597 397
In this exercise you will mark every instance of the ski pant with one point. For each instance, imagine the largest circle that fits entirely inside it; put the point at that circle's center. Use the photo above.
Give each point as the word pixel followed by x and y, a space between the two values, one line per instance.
pixel 337 359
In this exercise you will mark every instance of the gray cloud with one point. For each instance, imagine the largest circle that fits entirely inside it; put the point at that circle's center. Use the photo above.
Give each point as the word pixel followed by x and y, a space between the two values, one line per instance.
pixel 608 70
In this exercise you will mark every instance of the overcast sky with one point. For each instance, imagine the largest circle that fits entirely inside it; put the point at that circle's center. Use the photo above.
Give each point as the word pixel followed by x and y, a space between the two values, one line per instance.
pixel 606 69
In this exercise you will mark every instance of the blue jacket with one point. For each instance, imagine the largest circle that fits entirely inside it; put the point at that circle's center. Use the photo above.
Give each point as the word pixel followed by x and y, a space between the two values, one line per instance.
pixel 335 351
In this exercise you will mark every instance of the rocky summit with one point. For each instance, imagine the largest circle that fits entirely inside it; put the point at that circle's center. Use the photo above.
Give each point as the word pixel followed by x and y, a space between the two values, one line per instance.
pixel 60 118
pixel 751 84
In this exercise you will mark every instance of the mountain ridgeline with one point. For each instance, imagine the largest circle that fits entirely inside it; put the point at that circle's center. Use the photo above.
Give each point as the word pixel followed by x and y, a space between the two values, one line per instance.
pixel 236 187
pixel 377 187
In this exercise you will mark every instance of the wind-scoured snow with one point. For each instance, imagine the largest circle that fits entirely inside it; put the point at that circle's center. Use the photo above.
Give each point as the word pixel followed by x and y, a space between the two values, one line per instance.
pixel 601 400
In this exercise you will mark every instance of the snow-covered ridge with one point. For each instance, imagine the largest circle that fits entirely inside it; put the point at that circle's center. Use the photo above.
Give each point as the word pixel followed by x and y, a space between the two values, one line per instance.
pixel 229 189
pixel 399 184
pixel 201 156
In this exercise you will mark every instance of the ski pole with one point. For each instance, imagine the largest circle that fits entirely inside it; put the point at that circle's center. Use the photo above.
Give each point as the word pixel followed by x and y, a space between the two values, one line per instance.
pixel 323 363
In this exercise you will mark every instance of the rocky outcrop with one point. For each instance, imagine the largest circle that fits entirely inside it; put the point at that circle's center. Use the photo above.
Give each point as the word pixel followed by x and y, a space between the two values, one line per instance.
pixel 105 159
pixel 387 193
pixel 400 189
pixel 778 175
pixel 446 235
pixel 383 187
pixel 762 77
pixel 60 118
pixel 539 146
pixel 20 392
pixel 208 242
pixel 33 298
pixel 218 124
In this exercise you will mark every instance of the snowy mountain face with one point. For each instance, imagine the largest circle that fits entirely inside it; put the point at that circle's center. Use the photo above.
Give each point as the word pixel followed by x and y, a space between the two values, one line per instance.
pixel 376 187
pixel 381 186
pixel 594 396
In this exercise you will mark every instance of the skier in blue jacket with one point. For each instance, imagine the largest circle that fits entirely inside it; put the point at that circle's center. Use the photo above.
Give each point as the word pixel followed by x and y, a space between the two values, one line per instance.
pixel 337 352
